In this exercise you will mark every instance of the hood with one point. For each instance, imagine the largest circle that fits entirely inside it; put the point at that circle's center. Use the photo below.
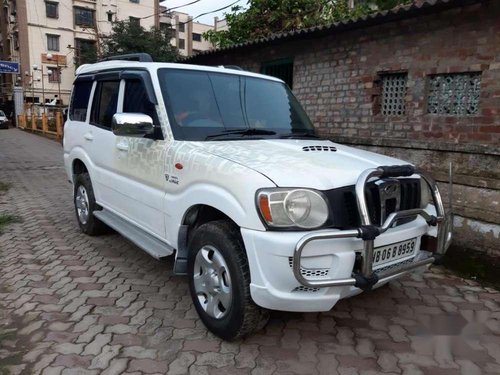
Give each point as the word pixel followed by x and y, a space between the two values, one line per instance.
pixel 299 163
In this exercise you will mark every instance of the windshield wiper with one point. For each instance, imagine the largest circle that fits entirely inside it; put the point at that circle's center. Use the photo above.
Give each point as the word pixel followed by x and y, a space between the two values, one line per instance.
pixel 299 135
pixel 242 132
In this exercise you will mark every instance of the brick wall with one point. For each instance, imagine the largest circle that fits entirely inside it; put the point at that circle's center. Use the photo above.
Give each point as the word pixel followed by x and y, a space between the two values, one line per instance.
pixel 337 79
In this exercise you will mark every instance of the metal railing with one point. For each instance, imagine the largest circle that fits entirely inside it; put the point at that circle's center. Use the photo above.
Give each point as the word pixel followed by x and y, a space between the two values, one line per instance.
pixel 46 125
pixel 366 278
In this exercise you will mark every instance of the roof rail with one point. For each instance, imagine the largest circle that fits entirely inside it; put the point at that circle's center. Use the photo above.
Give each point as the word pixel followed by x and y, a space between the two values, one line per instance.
pixel 141 57
pixel 234 67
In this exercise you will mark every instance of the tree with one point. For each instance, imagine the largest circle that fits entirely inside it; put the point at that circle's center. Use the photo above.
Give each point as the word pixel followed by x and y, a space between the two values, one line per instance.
pixel 265 17
pixel 131 37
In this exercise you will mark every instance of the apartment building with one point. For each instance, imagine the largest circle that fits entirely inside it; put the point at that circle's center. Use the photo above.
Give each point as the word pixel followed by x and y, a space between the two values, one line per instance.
pixel 49 37
pixel 188 34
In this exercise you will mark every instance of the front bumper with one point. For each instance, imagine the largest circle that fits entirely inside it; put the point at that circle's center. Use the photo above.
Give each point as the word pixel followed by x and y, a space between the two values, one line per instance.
pixel 311 271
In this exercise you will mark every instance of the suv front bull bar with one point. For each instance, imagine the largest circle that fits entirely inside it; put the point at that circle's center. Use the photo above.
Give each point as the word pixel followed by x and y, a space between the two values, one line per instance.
pixel 365 279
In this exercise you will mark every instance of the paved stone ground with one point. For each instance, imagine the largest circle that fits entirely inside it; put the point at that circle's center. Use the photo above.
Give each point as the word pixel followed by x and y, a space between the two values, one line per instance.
pixel 74 304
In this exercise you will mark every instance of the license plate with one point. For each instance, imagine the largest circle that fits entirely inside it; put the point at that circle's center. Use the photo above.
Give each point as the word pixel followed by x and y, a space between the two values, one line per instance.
pixel 395 251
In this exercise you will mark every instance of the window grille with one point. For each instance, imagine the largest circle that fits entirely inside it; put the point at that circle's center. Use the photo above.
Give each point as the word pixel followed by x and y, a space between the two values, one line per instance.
pixel 55 76
pixel 454 94
pixel 393 94
pixel 52 42
pixel 282 69
pixel 84 17
pixel 51 9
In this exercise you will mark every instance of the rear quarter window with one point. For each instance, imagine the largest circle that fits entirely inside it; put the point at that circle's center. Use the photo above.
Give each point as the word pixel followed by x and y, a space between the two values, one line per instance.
pixel 80 101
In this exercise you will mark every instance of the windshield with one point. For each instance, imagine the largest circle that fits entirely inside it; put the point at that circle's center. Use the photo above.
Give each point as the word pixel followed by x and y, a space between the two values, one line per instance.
pixel 2 114
pixel 202 105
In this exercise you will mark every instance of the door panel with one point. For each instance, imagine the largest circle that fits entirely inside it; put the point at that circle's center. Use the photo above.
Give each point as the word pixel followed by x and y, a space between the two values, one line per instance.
pixel 141 165
pixel 107 184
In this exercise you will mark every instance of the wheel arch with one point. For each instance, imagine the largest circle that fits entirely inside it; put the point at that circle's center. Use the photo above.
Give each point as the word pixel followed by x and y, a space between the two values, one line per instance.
pixel 78 167
pixel 195 216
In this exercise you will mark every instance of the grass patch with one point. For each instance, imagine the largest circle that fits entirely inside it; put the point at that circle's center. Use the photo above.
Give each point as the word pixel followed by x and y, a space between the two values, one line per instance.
pixel 4 186
pixel 474 265
pixel 6 219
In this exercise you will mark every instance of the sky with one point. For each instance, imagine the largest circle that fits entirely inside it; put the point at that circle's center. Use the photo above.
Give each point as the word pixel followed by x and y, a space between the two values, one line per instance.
pixel 203 6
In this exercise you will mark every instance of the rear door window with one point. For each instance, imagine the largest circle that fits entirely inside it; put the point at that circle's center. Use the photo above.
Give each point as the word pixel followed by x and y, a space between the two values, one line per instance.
pixel 80 100
pixel 105 103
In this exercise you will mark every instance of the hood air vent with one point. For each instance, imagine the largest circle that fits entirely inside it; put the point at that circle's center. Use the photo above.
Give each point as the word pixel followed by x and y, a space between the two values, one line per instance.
pixel 319 148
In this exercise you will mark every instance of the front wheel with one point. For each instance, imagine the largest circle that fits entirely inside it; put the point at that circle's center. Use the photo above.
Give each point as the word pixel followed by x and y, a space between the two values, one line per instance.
pixel 219 281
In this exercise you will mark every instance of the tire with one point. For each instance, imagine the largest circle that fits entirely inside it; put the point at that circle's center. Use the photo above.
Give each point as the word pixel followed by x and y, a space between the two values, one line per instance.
pixel 231 314
pixel 85 205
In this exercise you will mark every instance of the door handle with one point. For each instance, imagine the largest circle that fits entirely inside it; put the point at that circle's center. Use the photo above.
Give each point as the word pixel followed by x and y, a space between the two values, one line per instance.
pixel 122 146
pixel 88 137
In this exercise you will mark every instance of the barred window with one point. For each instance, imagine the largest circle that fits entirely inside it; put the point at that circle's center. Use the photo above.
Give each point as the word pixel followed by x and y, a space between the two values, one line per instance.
pixel 84 17
pixel 393 94
pixel 55 75
pixel 52 42
pixel 51 9
pixel 454 94
pixel 282 69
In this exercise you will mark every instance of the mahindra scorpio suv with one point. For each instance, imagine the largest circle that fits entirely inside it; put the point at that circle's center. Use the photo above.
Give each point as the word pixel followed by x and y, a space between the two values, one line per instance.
pixel 222 169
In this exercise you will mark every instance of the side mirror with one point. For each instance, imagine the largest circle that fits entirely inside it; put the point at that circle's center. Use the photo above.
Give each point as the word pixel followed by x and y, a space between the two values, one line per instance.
pixel 132 125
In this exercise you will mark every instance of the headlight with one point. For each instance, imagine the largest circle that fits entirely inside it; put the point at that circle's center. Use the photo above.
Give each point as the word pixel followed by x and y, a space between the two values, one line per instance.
pixel 425 194
pixel 300 208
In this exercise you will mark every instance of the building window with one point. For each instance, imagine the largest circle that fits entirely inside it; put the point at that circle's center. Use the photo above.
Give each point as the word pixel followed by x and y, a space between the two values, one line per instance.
pixel 454 94
pixel 282 69
pixel 182 27
pixel 134 1
pixel 134 21
pixel 85 51
pixel 182 44
pixel 197 37
pixel 84 17
pixel 52 42
pixel 110 16
pixel 393 94
pixel 55 76
pixel 51 9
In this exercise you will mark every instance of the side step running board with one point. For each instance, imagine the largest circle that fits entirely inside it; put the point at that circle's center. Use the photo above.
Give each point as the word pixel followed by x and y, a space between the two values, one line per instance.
pixel 150 244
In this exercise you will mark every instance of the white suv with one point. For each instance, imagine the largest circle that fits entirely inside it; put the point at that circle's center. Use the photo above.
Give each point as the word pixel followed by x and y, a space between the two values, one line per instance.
pixel 222 168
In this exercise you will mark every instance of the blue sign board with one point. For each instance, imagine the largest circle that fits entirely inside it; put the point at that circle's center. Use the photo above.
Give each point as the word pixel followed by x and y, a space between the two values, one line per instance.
pixel 9 67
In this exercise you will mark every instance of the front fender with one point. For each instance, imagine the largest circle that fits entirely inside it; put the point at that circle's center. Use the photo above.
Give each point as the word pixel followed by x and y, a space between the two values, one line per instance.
pixel 241 209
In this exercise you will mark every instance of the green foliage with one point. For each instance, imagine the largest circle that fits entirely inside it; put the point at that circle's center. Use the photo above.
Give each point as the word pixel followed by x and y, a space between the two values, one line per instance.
pixel 265 17
pixel 4 186
pixel 130 37
pixel 6 219
pixel 87 53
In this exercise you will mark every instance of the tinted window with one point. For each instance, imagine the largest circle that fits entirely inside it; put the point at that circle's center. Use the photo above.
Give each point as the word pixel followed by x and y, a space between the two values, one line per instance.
pixel 205 103
pixel 136 100
pixel 80 100
pixel 104 103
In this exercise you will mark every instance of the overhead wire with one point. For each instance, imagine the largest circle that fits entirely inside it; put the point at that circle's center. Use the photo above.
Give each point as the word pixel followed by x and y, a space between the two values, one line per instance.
pixel 169 9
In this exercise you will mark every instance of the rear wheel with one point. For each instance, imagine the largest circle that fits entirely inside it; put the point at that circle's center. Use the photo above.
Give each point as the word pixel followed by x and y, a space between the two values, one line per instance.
pixel 219 281
pixel 85 205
